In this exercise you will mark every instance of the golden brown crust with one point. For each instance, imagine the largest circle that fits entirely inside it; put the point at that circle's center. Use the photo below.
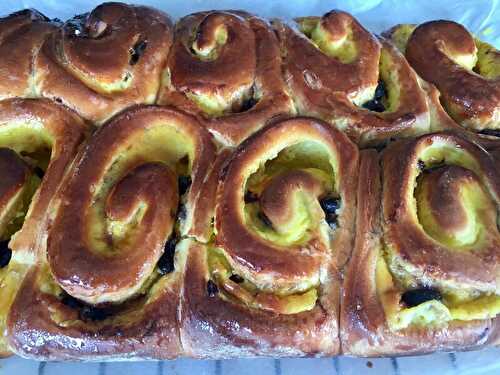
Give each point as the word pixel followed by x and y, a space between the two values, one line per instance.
pixel 335 88
pixel 242 73
pixel 21 36
pixel 364 327
pixel 31 131
pixel 217 326
pixel 102 62
pixel 67 131
pixel 110 281
pixel 406 235
pixel 473 100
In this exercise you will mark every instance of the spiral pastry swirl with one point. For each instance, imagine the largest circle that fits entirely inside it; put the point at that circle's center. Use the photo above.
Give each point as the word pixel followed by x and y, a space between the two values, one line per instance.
pixel 361 84
pixel 21 36
pixel 101 62
pixel 120 222
pixel 430 263
pixel 465 70
pixel 283 229
pixel 38 141
pixel 225 67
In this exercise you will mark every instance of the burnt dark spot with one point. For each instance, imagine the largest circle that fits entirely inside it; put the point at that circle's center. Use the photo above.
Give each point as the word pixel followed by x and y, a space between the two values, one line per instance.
pixel 490 132
pixel 212 289
pixel 248 104
pixel 420 165
pixel 39 172
pixel 251 197
pixel 418 296
pixel 184 184
pixel 76 26
pixel 376 104
pixel 166 261
pixel 94 313
pixel 236 278
pixel 137 51
pixel 329 204
pixel 5 253
pixel 265 220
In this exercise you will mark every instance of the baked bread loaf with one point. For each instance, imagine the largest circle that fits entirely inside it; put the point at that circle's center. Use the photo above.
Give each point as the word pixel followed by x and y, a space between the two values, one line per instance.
pixel 225 67
pixel 110 283
pixel 424 272
pixel 198 190
pixel 268 282
pixel 465 70
pixel 38 141
pixel 21 36
pixel 104 61
pixel 360 83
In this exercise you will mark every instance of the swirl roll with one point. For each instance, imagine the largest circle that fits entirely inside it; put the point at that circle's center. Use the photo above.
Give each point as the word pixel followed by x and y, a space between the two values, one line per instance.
pixel 115 249
pixel 38 141
pixel 21 36
pixel 101 62
pixel 424 273
pixel 268 282
pixel 358 82
pixel 225 67
pixel 465 70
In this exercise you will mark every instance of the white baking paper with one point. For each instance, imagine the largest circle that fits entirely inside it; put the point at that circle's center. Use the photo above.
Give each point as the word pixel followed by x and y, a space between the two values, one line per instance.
pixel 482 17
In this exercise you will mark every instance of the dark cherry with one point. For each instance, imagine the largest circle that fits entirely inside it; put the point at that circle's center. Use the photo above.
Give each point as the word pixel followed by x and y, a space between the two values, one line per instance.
pixel 137 51
pixel 331 220
pixel 420 165
pixel 265 220
pixel 376 104
pixel 39 172
pixel 166 261
pixel 418 296
pixel 94 313
pixel 251 197
pixel 329 204
pixel 212 289
pixel 181 212
pixel 184 184
pixel 248 104
pixel 5 253
pixel 71 301
pixel 236 278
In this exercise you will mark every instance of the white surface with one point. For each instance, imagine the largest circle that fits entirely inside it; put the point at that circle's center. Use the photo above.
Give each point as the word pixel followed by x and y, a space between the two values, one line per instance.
pixel 481 17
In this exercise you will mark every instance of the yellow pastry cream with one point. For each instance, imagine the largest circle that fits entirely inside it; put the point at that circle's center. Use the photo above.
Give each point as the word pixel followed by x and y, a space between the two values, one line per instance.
pixel 462 220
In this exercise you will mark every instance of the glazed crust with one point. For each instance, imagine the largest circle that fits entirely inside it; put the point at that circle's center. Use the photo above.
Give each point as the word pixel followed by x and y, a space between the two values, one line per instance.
pixel 33 333
pixel 97 63
pixel 101 303
pixel 245 72
pixel 203 218
pixel 474 99
pixel 213 326
pixel 332 89
pixel 21 36
pixel 364 329
pixel 65 132
pixel 68 131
